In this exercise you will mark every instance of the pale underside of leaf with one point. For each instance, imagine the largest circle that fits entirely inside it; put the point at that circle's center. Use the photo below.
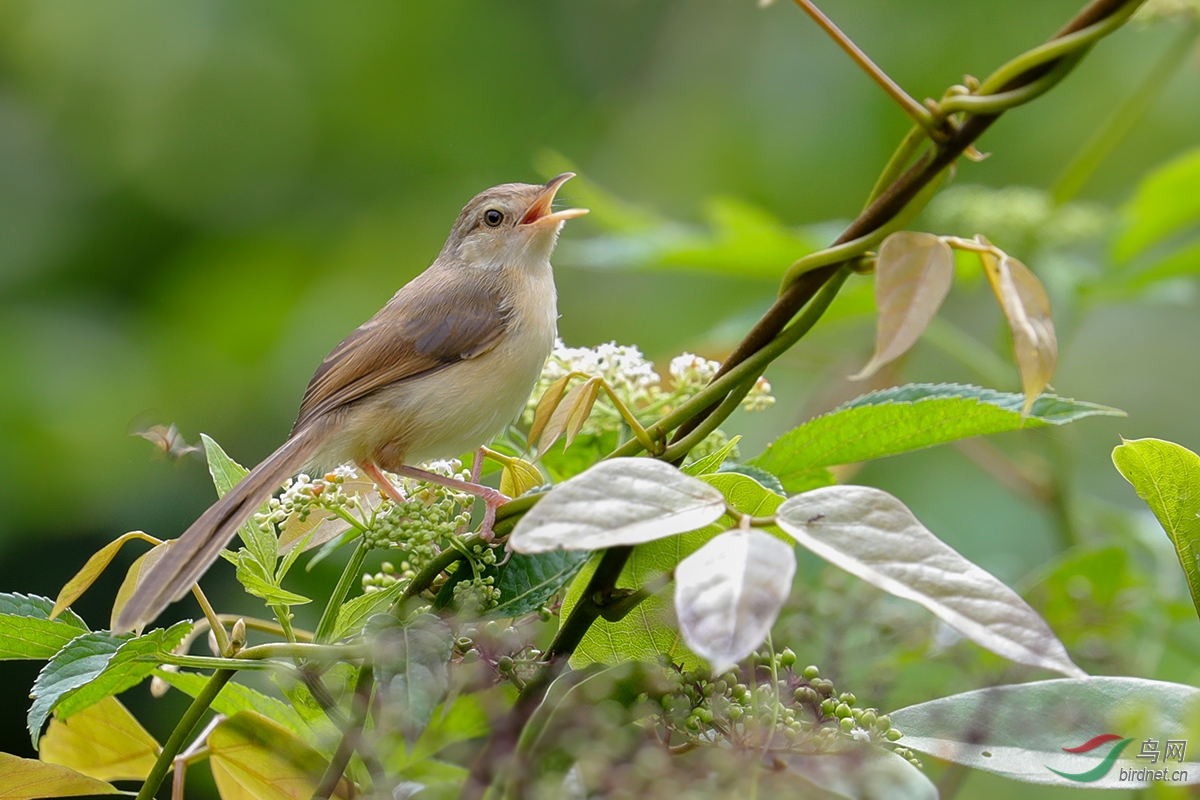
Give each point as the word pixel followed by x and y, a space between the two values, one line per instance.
pixel 729 593
pixel 1020 731
pixel 873 536
pixel 1026 306
pixel 622 501
pixel 912 277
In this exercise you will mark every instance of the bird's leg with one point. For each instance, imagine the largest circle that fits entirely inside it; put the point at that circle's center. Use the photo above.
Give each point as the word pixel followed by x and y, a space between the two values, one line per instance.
pixel 372 471
pixel 491 498
pixel 477 465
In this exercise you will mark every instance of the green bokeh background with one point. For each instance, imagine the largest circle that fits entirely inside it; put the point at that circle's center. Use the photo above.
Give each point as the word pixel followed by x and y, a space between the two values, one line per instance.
pixel 199 199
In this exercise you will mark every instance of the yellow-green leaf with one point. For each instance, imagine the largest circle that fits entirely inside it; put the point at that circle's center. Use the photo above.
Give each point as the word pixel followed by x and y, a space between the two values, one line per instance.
pixel 1027 309
pixel 143 564
pixel 103 741
pixel 912 278
pixel 547 405
pixel 1167 477
pixel 568 413
pixel 254 758
pixel 95 565
pixel 30 779
pixel 518 477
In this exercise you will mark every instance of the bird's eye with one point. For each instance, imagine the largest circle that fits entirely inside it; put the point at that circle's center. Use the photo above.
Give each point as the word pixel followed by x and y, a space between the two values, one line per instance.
pixel 492 217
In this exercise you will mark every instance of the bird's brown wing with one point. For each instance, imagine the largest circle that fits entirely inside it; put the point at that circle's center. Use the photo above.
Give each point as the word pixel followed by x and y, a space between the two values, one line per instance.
pixel 440 318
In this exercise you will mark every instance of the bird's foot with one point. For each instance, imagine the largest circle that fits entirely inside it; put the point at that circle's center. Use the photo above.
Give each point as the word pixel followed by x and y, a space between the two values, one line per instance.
pixel 491 498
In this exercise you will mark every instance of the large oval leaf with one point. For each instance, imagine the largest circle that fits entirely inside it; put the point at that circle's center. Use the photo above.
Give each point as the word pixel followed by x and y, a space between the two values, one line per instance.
pixel 622 501
pixel 871 534
pixel 1026 731
pixel 729 592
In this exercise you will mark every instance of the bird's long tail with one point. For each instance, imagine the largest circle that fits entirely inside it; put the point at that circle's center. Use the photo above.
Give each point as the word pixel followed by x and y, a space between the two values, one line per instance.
pixel 194 552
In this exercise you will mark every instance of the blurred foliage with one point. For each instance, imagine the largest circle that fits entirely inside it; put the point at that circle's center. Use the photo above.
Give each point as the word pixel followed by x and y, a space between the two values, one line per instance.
pixel 197 200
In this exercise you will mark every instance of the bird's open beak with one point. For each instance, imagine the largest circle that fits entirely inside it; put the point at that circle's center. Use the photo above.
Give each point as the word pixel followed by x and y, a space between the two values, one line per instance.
pixel 539 210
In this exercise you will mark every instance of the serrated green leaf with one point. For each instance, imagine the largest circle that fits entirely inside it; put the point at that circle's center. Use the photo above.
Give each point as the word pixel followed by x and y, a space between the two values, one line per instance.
pixel 226 473
pixel 30 779
pixel 1020 731
pixel 758 474
pixel 255 758
pixel 355 612
pixel 908 418
pixel 713 461
pixel 527 582
pixel 412 661
pixel 103 741
pixel 235 697
pixel 1167 477
pixel 26 630
pixel 249 575
pixel 1166 202
pixel 94 666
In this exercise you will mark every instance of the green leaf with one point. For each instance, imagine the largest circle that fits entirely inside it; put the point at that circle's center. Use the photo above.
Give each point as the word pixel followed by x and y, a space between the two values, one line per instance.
pixel 249 575
pixel 255 758
pixel 909 418
pixel 1167 477
pixel 235 697
pixel 713 461
pixel 760 476
pixel 30 779
pixel 91 570
pixel 225 474
pixel 412 661
pixel 1020 731
pixel 617 502
pixel 26 630
pixel 1166 202
pixel 528 581
pixel 355 612
pixel 103 741
pixel 94 666
pixel 874 536
pixel 466 718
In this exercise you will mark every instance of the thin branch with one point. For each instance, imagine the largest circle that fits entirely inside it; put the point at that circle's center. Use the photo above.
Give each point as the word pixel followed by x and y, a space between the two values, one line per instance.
pixel 918 112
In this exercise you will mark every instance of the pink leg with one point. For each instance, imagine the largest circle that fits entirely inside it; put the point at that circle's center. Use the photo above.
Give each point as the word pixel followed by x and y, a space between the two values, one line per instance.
pixel 492 499
pixel 376 474
pixel 477 466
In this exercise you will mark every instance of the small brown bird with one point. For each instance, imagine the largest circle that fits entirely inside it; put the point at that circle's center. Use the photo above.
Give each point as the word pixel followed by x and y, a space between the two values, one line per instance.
pixel 440 370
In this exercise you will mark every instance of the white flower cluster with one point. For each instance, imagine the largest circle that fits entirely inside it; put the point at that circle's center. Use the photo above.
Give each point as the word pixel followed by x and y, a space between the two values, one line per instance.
pixel 635 381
